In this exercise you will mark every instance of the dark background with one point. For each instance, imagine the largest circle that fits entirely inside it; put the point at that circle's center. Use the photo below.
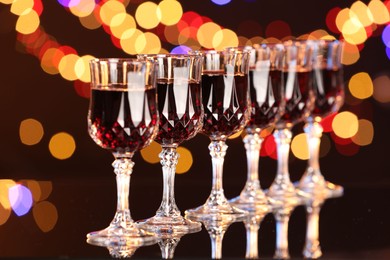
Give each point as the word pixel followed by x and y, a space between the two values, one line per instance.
pixel 354 226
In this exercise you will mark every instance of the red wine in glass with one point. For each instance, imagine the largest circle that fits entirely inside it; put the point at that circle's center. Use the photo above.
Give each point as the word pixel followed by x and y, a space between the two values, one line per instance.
pixel 225 105
pixel 180 111
pixel 118 124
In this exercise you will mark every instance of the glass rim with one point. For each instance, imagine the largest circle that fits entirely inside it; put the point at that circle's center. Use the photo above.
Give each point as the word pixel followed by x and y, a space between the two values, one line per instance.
pixel 168 55
pixel 117 60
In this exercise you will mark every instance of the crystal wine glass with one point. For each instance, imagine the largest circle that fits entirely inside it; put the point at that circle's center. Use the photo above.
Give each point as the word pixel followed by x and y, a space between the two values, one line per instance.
pixel 328 87
pixel 297 98
pixel 226 102
pixel 265 92
pixel 122 119
pixel 181 118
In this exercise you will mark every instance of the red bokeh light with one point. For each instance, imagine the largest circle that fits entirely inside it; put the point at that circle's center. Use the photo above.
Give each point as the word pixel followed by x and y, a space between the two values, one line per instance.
pixel 268 148
pixel 278 29
pixel 331 19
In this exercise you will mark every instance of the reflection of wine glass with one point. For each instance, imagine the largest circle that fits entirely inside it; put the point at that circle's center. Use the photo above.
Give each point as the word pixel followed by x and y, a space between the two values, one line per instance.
pixel 297 99
pixel 252 225
pixel 181 117
pixel 328 87
pixel 265 92
pixel 225 94
pixel 122 118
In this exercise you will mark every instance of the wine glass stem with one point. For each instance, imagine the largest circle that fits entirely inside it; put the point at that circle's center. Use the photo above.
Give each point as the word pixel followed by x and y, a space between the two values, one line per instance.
pixel 282 183
pixel 169 158
pixel 123 168
pixel 252 146
pixel 282 219
pixel 217 152
pixel 312 247
pixel 167 247
pixel 313 131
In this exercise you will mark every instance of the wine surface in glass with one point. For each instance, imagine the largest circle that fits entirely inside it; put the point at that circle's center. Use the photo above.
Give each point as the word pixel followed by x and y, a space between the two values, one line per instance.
pixel 265 93
pixel 118 121
pixel 298 97
pixel 225 101
pixel 328 90
pixel 180 111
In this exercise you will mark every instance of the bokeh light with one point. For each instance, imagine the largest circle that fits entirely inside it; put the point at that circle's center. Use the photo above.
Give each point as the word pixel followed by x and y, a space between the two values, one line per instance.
pixel 345 124
pixel 299 146
pixel 45 215
pixel 171 11
pixel 221 2
pixel 148 15
pixel 28 22
pixel 62 146
pixel 20 199
pixel 365 134
pixel 361 86
pixel 185 160
pixel 379 12
pixel 382 88
pixel 151 152
pixel 30 131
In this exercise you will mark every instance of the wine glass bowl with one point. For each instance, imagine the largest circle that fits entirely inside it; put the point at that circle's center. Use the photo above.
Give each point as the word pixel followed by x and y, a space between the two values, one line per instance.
pixel 265 94
pixel 181 118
pixel 328 88
pixel 225 96
pixel 122 118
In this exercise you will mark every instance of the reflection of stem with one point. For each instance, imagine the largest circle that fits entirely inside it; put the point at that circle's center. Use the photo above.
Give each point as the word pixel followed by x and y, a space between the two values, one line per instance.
pixel 216 236
pixel 167 247
pixel 168 207
pixel 282 218
pixel 312 247
pixel 123 167
pixel 252 226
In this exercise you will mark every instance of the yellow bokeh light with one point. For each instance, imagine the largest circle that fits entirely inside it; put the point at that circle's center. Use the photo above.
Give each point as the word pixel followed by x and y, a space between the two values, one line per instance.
pixel 5 184
pixel 34 187
pixel 361 86
pixel 83 8
pixel 28 22
pixel 30 131
pixel 90 21
pixel 225 38
pixel 365 134
pixel 148 43
pixel 342 16
pixel 62 146
pixel 49 60
pixel 7 2
pixel 351 54
pixel 67 65
pixel 236 135
pixel 363 13
pixel 379 12
pixel 299 146
pixel 45 215
pixel 109 9
pixel 185 160
pixel 46 189
pixel 151 152
pixel 382 89
pixel 148 15
pixel 121 23
pixel 319 34
pixel 345 124
pixel 128 40
pixel 354 32
pixel 206 34
pixel 82 68
pixel 4 214
pixel 171 12
pixel 20 7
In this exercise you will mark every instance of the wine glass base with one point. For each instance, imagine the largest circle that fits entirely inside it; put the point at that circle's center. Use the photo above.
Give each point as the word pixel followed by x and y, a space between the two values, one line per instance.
pixel 169 225
pixel 119 236
pixel 225 213
pixel 326 190
pixel 251 203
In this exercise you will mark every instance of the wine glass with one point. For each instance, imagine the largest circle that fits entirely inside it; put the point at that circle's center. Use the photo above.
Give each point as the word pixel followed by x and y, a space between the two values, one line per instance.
pixel 297 99
pixel 225 95
pixel 328 87
pixel 181 118
pixel 252 225
pixel 122 119
pixel 265 92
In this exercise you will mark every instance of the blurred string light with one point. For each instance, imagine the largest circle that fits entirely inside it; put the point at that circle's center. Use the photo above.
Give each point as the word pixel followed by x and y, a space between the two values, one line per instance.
pixel 152 24
pixel 25 195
